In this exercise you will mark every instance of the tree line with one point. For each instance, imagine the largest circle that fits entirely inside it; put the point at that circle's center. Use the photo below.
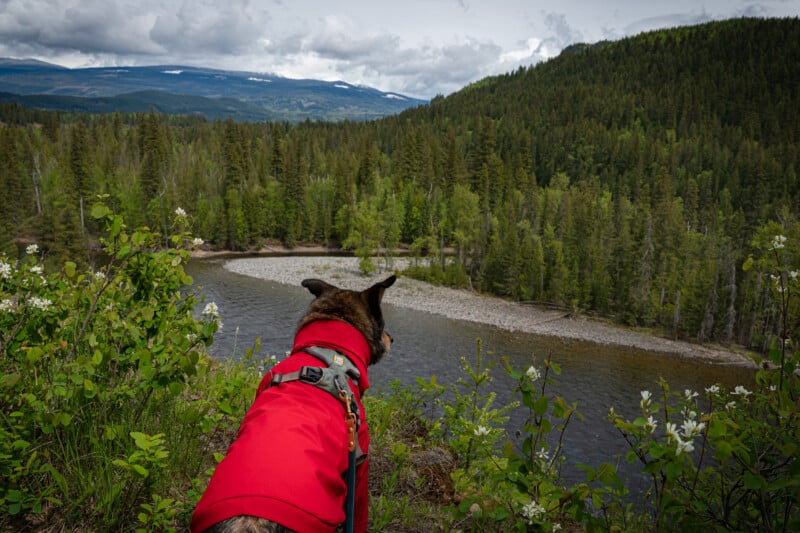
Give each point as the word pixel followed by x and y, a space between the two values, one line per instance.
pixel 631 178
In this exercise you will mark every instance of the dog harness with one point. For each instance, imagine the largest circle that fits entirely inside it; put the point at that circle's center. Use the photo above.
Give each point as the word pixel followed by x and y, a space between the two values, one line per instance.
pixel 332 379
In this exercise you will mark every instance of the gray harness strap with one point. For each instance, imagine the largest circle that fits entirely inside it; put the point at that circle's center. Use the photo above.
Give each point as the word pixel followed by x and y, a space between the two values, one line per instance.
pixel 332 379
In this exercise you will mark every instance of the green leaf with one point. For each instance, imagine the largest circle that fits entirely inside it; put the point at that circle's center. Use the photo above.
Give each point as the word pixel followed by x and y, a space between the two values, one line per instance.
pixel 99 211
pixel 109 432
pixel 723 450
pixel 64 419
pixel 500 514
pixel 9 380
pixel 673 470
pixel 33 354
pixel 717 428
pixel 658 450
pixel 70 269
pixel 754 481
pixel 540 406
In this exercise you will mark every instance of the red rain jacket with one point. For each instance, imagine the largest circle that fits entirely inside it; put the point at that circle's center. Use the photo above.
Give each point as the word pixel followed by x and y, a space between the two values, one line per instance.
pixel 289 460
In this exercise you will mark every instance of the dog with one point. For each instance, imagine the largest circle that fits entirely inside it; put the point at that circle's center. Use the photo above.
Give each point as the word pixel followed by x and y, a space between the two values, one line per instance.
pixel 286 469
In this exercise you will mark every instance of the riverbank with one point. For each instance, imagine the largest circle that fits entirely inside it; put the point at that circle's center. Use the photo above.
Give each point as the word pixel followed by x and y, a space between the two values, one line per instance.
pixel 466 305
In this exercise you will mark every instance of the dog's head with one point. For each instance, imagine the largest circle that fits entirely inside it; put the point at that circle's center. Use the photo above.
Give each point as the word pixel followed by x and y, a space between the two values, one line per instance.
pixel 362 310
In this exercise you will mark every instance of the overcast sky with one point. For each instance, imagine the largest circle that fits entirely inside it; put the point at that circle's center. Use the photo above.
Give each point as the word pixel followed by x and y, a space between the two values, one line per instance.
pixel 416 47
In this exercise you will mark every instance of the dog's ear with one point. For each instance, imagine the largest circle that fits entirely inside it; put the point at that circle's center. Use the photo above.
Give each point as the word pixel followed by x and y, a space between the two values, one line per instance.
pixel 317 286
pixel 374 294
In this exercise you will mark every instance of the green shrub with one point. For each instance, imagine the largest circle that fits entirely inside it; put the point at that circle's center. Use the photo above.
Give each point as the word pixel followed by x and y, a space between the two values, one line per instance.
pixel 102 425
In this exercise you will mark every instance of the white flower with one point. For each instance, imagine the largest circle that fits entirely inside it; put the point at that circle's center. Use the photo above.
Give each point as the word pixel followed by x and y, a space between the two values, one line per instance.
pixel 741 391
pixel 773 388
pixel 32 249
pixel 40 303
pixel 197 241
pixel 713 389
pixel 99 275
pixel 689 395
pixel 651 424
pixel 778 242
pixel 691 428
pixel 6 305
pixel 672 431
pixel 730 405
pixel 211 310
pixel 179 212
pixel 37 269
pixel 683 446
pixel 542 455
pixel 481 431
pixel 533 511
pixel 793 274
pixel 556 526
pixel 645 399
pixel 533 373
pixel 5 270
pixel 191 337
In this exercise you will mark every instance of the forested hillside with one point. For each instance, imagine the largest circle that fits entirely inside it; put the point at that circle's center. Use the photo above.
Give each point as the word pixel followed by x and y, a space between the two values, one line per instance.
pixel 630 178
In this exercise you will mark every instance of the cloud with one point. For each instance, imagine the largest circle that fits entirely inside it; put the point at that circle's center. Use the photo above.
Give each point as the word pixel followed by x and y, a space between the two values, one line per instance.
pixel 92 27
pixel 222 28
pixel 562 34
pixel 666 21
pixel 337 41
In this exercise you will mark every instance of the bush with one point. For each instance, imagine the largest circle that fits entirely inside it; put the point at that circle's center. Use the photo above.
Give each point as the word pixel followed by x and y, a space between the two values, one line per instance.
pixel 102 425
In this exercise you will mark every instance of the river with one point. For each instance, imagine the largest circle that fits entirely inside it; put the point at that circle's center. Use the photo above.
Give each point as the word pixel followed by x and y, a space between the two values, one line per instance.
pixel 595 376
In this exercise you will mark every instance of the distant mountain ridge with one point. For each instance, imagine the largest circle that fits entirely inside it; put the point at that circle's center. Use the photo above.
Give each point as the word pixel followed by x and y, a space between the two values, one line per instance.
pixel 215 94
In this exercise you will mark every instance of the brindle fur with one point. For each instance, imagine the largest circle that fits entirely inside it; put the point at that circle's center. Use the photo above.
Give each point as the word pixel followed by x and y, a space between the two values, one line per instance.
pixel 359 309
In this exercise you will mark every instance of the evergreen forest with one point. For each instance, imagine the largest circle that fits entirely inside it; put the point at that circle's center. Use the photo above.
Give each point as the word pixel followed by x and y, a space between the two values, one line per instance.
pixel 634 179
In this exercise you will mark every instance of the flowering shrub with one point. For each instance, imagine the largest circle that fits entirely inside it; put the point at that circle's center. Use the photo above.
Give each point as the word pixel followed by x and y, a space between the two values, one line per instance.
pixel 510 487
pixel 730 462
pixel 92 367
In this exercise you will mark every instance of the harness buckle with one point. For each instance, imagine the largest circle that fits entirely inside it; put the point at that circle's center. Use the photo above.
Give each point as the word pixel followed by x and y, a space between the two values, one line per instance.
pixel 310 374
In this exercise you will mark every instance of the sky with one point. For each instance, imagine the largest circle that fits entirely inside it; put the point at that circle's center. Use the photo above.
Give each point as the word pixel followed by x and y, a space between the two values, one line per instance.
pixel 419 48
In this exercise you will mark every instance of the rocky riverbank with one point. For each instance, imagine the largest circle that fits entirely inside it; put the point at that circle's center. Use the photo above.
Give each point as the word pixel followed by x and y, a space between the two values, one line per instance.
pixel 466 305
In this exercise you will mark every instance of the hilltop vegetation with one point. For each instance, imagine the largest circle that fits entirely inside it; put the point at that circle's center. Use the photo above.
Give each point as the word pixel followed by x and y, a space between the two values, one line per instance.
pixel 631 178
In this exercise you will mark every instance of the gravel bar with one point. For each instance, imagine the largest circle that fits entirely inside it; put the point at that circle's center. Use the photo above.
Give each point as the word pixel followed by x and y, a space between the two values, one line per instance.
pixel 466 305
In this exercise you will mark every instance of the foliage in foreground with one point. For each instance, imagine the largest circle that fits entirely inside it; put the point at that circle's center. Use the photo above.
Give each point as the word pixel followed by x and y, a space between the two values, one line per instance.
pixel 112 418
pixel 102 425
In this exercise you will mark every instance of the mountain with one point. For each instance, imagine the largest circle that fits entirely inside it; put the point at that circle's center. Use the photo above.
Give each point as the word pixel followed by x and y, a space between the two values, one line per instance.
pixel 175 89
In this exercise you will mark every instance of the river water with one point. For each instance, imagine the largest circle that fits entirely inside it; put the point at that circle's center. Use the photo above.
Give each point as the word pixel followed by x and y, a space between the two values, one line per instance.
pixel 595 376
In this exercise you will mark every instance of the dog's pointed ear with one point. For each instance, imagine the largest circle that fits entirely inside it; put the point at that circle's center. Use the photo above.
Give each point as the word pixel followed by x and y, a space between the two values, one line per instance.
pixel 374 294
pixel 317 287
